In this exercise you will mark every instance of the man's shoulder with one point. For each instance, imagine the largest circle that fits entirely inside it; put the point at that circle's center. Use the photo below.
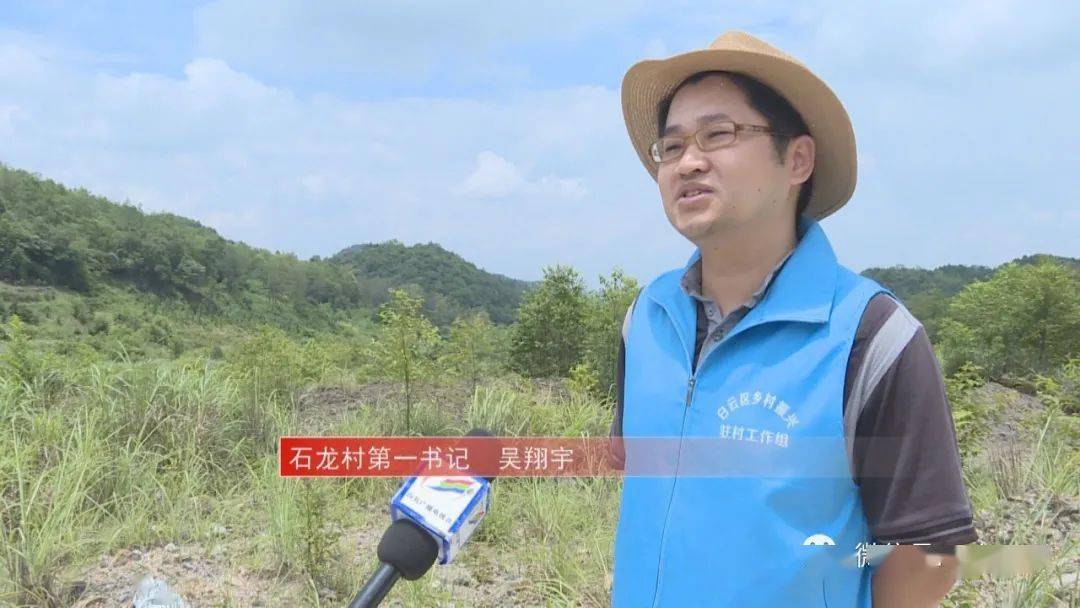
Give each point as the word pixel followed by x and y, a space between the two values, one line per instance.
pixel 849 279
pixel 665 282
pixel 658 288
pixel 884 320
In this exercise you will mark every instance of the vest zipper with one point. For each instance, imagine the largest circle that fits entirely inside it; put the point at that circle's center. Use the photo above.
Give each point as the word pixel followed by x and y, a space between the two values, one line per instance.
pixel 690 389
pixel 690 384
pixel 671 497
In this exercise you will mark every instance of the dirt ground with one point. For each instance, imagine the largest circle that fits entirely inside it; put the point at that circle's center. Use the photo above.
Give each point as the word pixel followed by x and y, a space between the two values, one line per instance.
pixel 202 577
pixel 214 578
pixel 322 407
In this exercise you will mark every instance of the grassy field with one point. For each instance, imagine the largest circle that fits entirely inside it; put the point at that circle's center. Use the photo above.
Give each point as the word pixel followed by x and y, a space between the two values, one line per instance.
pixel 174 464
pixel 112 470
pixel 169 468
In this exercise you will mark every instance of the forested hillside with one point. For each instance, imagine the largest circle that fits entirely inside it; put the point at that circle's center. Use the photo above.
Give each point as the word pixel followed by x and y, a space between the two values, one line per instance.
pixel 926 292
pixel 68 238
pixel 949 279
pixel 944 280
pixel 452 285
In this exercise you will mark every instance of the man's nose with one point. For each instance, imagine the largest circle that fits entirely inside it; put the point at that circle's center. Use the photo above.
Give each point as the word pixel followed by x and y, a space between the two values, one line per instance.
pixel 692 160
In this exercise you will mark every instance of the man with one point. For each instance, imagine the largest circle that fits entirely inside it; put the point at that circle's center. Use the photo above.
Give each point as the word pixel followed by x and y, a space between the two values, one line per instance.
pixel 795 409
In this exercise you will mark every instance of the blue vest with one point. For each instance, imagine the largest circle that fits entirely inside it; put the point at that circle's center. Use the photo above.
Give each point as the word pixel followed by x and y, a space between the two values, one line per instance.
pixel 758 481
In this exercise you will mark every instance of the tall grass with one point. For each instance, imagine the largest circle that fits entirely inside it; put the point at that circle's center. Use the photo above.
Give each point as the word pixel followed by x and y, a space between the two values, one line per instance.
pixel 506 409
pixel 569 524
pixel 127 454
pixel 500 409
pixel 122 454
pixel 47 501
pixel 130 455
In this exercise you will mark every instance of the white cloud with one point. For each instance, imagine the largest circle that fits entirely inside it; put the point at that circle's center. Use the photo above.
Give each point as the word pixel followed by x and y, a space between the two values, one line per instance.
pixel 17 61
pixel 948 41
pixel 560 188
pixel 324 185
pixel 494 177
pixel 405 40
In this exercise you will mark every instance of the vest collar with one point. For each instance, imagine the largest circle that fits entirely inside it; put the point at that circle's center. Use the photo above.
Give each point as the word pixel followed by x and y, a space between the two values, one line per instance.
pixel 804 289
pixel 802 292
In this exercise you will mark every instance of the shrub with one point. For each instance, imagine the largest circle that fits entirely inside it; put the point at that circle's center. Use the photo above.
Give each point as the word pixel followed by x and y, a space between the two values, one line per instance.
pixel 969 416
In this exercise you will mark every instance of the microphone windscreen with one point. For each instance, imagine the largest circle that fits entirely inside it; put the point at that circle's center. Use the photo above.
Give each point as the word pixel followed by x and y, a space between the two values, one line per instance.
pixel 409 549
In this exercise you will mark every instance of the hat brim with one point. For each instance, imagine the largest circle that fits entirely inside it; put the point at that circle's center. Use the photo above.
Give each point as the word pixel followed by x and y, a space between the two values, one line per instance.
pixel 648 82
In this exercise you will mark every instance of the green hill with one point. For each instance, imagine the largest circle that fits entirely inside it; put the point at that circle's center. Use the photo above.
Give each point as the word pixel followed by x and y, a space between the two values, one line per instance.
pixel 51 235
pixel 947 280
pixel 450 283
pixel 70 239
pixel 926 292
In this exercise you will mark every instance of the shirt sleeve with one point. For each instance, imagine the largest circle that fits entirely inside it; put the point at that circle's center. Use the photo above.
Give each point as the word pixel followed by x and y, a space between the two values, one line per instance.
pixel 905 456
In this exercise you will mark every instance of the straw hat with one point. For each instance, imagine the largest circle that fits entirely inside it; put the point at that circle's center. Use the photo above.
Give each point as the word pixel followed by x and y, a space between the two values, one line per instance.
pixel 649 82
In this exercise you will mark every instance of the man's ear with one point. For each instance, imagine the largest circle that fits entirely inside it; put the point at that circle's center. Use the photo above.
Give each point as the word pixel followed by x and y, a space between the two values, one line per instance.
pixel 800 157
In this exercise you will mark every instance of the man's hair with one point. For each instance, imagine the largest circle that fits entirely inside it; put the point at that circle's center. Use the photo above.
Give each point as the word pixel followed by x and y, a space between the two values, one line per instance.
pixel 778 113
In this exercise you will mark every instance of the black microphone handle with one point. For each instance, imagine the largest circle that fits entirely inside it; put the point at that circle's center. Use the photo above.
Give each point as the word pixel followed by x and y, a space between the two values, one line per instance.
pixel 377 587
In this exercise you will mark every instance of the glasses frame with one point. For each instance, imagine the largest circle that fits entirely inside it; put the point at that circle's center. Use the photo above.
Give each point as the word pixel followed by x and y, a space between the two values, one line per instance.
pixel 654 148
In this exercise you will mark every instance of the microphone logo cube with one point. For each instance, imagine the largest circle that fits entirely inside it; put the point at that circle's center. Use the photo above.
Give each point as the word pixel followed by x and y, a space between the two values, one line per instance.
pixel 448 508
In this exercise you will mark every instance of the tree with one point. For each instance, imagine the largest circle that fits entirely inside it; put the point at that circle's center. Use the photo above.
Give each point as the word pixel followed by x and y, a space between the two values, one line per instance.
pixel 475 347
pixel 406 343
pixel 1024 318
pixel 547 338
pixel 930 308
pixel 606 312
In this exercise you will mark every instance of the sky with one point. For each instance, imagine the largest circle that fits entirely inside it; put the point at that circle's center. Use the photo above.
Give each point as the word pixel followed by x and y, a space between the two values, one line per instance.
pixel 496 130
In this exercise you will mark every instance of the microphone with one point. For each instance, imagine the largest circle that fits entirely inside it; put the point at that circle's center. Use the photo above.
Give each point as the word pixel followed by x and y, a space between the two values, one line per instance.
pixel 433 518
pixel 404 551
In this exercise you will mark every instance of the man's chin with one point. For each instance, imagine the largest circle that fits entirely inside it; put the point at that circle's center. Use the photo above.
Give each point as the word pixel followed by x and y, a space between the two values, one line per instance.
pixel 700 228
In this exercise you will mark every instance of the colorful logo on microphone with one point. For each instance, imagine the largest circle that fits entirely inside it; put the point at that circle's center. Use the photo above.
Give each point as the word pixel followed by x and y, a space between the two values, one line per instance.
pixel 457 485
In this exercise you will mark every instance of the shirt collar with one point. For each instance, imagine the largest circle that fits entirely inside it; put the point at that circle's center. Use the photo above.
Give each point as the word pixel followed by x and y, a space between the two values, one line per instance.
pixel 803 289
pixel 691 281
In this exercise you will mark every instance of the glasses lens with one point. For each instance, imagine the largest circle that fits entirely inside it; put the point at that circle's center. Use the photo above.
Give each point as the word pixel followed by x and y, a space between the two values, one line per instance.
pixel 716 136
pixel 668 148
pixel 710 138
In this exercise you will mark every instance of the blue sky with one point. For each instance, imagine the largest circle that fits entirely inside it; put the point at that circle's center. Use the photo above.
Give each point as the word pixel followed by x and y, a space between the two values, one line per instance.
pixel 495 129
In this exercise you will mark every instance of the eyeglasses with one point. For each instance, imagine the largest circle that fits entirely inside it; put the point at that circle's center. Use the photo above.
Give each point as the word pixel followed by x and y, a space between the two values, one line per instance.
pixel 712 137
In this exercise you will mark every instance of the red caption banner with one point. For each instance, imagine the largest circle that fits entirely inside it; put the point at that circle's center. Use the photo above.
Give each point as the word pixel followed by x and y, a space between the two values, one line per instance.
pixel 311 456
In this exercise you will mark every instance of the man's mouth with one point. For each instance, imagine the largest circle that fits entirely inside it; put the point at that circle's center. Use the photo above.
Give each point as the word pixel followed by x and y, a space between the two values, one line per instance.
pixel 694 195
